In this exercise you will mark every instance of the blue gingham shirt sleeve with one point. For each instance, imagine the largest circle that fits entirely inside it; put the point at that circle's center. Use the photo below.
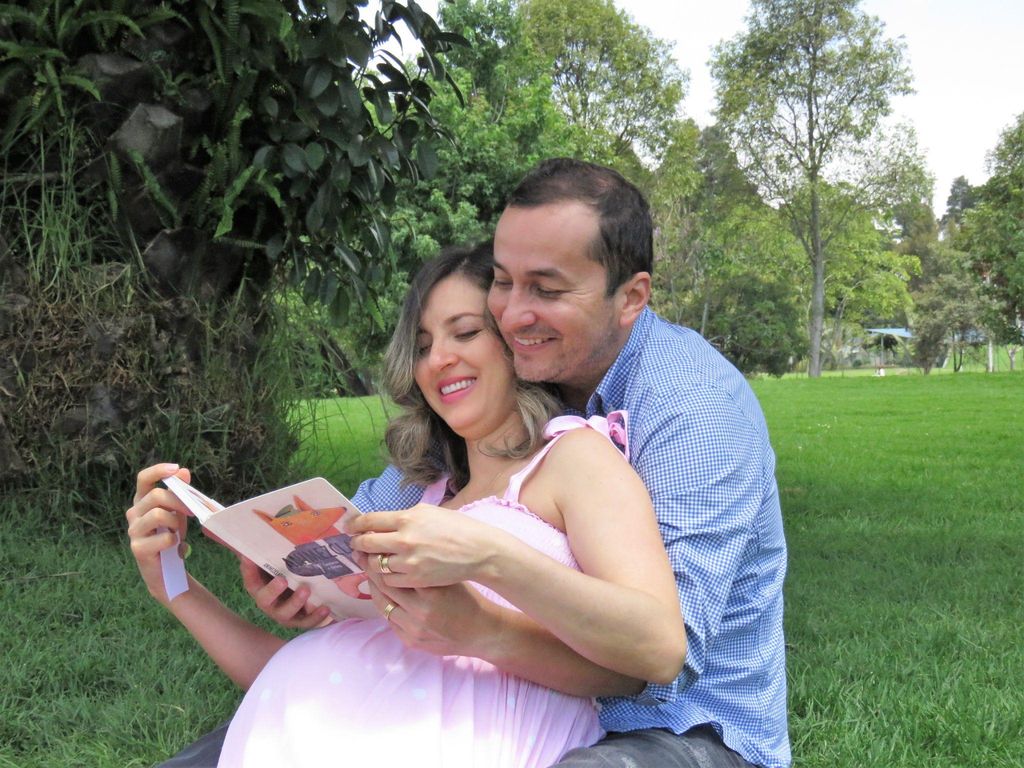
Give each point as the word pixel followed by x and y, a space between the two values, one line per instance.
pixel 386 492
pixel 695 453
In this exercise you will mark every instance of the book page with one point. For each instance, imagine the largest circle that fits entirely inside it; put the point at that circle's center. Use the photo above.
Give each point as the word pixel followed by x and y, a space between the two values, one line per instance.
pixel 199 505
pixel 295 533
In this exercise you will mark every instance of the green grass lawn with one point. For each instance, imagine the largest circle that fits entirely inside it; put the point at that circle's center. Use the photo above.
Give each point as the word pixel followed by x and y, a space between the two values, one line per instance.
pixel 904 510
pixel 342 439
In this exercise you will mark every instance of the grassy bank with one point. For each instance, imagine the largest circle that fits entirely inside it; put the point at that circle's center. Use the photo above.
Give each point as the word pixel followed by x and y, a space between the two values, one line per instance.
pixel 904 512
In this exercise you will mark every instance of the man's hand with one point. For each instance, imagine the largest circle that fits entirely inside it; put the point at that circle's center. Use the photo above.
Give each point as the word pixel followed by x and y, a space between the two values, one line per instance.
pixel 273 597
pixel 459 621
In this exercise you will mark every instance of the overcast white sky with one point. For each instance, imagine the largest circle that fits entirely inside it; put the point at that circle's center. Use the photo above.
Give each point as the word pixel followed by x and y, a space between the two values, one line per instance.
pixel 967 59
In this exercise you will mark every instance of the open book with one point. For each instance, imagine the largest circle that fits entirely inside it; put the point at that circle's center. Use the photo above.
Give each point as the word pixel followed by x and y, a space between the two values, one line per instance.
pixel 294 532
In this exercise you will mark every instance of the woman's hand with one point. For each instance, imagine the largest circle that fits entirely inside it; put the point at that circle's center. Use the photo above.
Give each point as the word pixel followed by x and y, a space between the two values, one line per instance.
pixel 239 648
pixel 446 621
pixel 157 520
pixel 272 596
pixel 425 546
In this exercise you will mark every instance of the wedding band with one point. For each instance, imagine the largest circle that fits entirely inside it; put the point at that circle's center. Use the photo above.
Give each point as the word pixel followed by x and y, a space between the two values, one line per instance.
pixel 382 561
pixel 387 611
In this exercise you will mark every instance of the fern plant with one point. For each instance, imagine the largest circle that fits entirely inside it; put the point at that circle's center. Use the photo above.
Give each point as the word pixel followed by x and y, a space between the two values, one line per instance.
pixel 38 76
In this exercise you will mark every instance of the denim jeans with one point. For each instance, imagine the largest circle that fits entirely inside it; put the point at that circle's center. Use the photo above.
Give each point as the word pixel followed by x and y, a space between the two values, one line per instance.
pixel 203 753
pixel 653 748
pixel 699 747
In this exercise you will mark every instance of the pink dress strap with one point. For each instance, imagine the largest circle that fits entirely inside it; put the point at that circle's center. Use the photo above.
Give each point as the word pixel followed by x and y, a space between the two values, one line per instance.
pixel 614 427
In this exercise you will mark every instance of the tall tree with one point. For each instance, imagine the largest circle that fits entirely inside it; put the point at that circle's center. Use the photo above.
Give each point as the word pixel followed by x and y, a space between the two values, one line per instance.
pixel 803 92
pixel 509 119
pixel 726 262
pixel 679 239
pixel 993 234
pixel 868 280
pixel 503 123
pixel 950 309
pixel 612 77
pixel 917 234
pixel 962 197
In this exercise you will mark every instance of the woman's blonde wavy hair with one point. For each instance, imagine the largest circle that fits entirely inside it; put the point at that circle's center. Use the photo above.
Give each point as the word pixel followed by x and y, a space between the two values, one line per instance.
pixel 418 441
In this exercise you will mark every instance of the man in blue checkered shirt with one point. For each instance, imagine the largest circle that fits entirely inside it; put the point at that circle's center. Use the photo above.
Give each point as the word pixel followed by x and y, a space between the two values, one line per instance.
pixel 573 257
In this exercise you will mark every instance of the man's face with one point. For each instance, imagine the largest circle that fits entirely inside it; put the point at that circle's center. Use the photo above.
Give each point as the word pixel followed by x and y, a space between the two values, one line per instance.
pixel 549 298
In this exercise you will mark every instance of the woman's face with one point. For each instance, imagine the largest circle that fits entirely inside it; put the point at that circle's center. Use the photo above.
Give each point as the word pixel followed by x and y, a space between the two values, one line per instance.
pixel 462 368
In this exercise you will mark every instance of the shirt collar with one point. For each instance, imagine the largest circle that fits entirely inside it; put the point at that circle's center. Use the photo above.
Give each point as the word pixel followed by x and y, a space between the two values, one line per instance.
pixel 611 392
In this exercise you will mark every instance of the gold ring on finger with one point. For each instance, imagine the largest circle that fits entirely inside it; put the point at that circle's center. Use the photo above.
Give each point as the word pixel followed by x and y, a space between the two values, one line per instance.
pixel 382 561
pixel 387 611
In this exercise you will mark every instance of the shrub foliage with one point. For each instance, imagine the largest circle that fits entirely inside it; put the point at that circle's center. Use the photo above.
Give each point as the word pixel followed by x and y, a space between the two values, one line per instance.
pixel 166 166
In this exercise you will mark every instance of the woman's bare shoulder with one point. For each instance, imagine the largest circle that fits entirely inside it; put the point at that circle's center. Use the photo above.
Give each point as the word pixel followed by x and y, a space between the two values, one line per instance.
pixel 582 448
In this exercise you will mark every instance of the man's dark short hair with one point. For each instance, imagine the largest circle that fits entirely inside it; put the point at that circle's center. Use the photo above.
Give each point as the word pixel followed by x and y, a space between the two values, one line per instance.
pixel 625 244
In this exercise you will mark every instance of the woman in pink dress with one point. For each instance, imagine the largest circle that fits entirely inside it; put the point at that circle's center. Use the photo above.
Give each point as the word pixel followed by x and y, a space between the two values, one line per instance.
pixel 554 496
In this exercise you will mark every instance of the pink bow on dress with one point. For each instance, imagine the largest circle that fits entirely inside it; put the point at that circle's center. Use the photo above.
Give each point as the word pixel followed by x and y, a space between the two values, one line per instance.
pixel 614 426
